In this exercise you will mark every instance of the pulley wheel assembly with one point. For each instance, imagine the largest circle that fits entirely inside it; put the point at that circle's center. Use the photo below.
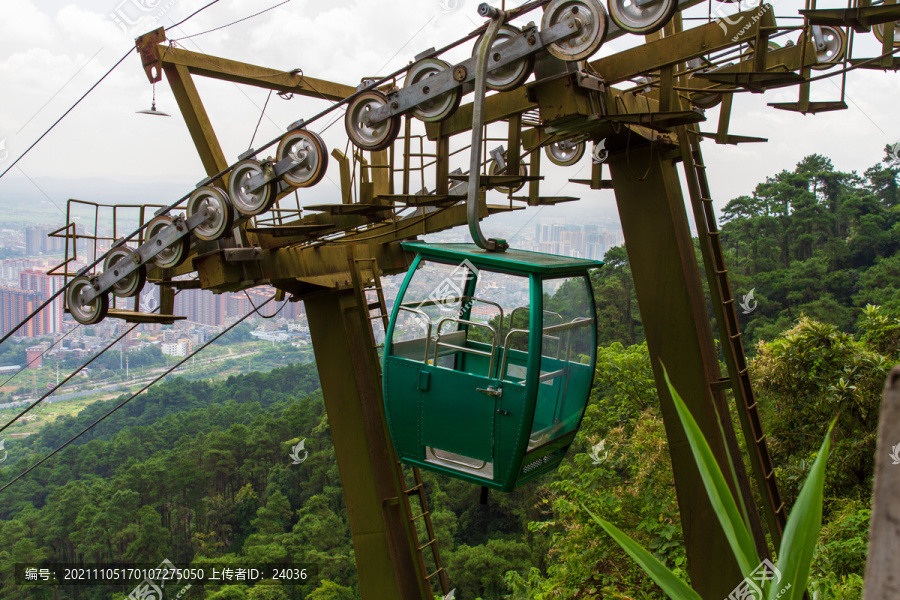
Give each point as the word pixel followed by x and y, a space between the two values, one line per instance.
pixel 440 106
pixel 592 20
pixel 565 153
pixel 642 16
pixel 86 313
pixel 132 284
pixel 835 45
pixel 175 253
pixel 511 76
pixel 507 189
pixel 878 30
pixel 364 134
pixel 221 212
pixel 246 200
pixel 308 152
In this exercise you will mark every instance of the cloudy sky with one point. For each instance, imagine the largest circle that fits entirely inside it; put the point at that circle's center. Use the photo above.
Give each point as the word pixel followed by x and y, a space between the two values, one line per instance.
pixel 54 50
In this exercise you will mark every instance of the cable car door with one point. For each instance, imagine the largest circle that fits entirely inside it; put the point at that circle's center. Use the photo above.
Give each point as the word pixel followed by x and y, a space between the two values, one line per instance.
pixel 459 397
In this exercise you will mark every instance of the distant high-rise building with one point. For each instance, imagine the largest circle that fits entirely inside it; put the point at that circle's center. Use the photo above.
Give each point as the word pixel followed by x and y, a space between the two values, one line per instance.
pixel 555 232
pixel 47 285
pixel 37 239
pixel 15 306
pixel 11 267
pixel 33 240
pixel 201 306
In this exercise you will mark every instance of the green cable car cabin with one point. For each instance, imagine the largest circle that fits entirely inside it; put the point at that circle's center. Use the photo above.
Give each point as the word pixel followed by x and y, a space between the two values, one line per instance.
pixel 488 361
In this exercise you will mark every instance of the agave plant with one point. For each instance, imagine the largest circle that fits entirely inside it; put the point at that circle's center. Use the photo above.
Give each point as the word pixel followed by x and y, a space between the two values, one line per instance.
pixel 797 543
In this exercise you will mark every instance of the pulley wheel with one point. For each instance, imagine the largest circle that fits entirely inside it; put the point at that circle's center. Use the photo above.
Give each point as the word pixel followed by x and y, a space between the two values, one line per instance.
pixel 772 45
pixel 565 153
pixel 85 313
pixel 511 76
pixel 507 189
pixel 590 14
pixel 835 46
pixel 221 212
pixel 308 152
pixel 132 284
pixel 440 106
pixel 642 16
pixel 370 136
pixel 175 253
pixel 249 202
pixel 878 30
pixel 706 101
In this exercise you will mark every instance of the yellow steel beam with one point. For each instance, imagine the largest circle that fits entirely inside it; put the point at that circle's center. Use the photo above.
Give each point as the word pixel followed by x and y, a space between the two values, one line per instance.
pixel 307 269
pixel 679 338
pixel 294 82
pixel 694 42
pixel 496 107
pixel 860 18
pixel 380 525
pixel 196 118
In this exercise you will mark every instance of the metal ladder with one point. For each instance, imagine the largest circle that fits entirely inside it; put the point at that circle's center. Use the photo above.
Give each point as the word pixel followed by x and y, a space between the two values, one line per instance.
pixel 729 331
pixel 362 286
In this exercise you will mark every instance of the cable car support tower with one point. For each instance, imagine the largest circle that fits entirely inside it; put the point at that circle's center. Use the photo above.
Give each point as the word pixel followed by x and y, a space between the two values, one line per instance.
pixel 643 108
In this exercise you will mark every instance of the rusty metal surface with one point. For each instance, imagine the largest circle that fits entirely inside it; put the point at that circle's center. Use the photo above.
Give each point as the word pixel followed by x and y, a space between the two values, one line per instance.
pixel 679 337
pixel 237 72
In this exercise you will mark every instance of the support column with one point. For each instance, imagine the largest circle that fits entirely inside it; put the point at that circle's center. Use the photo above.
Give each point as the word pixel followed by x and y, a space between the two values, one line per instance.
pixel 196 119
pixel 348 369
pixel 679 336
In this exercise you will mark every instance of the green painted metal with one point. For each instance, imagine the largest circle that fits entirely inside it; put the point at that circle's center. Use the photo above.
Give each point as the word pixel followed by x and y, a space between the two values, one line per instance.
pixel 511 261
pixel 477 409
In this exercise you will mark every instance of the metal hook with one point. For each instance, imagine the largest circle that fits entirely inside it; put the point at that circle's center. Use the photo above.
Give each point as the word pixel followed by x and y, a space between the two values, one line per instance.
pixel 497 17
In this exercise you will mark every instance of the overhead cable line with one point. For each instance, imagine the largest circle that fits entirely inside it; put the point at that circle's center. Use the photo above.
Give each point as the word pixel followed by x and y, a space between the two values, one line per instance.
pixel 130 398
pixel 193 35
pixel 69 377
pixel 256 308
pixel 65 114
pixel 195 13
pixel 261 115
pixel 17 373
pixel 91 89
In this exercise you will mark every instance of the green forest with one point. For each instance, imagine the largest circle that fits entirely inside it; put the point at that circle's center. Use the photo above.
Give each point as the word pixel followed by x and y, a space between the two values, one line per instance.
pixel 194 471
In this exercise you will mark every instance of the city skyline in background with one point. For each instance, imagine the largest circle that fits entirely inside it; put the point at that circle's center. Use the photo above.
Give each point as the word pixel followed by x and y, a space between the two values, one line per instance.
pixel 30 257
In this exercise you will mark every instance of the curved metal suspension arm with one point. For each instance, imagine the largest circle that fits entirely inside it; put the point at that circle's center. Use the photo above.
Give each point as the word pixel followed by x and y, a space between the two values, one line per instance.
pixel 497 17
